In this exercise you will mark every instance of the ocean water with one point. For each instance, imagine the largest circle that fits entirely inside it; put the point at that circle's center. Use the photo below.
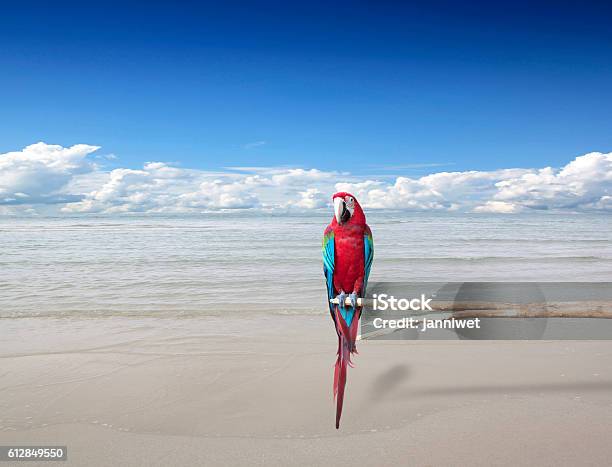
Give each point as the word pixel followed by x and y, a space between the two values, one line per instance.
pixel 248 262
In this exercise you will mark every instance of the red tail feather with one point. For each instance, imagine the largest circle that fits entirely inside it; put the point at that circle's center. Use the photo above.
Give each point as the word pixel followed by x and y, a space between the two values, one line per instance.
pixel 346 346
pixel 340 377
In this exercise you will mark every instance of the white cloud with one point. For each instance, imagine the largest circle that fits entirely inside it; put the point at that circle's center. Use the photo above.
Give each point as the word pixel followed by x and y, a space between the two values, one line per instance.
pixel 39 172
pixel 439 191
pixel 312 198
pixel 158 187
pixel 220 194
pixel 583 183
pixel 43 174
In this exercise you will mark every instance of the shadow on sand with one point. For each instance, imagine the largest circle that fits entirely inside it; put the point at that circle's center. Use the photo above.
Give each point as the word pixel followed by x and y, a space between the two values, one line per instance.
pixel 388 381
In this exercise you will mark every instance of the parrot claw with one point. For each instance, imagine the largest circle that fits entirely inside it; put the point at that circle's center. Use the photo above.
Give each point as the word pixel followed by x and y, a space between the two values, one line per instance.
pixel 353 299
pixel 341 297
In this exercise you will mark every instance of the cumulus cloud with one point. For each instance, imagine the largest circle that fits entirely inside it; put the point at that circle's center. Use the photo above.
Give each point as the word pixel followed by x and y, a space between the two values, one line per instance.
pixel 220 194
pixel 312 198
pixel 43 174
pixel 583 184
pixel 439 191
pixel 586 182
pixel 158 187
pixel 39 172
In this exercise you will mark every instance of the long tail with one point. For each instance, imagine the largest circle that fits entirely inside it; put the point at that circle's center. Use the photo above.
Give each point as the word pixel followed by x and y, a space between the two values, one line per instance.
pixel 340 376
pixel 346 346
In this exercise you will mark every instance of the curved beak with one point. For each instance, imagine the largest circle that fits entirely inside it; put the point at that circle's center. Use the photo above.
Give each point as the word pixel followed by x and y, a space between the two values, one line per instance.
pixel 338 208
pixel 340 211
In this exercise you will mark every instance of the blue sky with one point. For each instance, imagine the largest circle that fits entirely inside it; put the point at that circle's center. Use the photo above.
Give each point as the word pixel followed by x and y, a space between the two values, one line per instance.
pixel 362 86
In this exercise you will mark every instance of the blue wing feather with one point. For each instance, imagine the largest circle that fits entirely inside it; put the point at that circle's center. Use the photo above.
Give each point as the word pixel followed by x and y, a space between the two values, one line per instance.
pixel 328 266
pixel 368 243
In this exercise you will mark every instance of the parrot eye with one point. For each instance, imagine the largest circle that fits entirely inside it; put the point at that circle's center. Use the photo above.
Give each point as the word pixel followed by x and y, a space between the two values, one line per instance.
pixel 349 200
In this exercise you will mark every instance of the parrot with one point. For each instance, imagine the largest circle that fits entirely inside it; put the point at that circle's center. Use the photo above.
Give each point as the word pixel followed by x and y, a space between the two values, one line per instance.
pixel 348 251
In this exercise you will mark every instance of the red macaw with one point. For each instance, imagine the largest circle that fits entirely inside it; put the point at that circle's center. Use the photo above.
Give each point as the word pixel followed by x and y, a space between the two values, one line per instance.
pixel 348 251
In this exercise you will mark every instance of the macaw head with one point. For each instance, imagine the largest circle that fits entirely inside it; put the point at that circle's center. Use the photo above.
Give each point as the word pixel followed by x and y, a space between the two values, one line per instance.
pixel 347 209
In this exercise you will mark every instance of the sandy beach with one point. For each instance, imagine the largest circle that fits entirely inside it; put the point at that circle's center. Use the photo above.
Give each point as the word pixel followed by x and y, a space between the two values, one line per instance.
pixel 256 390
pixel 190 192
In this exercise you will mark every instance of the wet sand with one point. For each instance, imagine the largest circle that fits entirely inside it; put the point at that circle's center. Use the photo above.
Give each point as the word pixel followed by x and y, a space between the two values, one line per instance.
pixel 258 391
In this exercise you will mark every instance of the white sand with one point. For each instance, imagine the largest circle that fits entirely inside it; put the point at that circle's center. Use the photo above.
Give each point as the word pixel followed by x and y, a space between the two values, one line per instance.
pixel 257 391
